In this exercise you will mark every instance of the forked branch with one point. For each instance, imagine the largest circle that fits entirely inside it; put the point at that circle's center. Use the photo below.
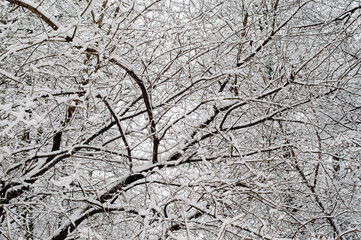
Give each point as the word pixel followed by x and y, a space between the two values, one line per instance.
pixel 148 106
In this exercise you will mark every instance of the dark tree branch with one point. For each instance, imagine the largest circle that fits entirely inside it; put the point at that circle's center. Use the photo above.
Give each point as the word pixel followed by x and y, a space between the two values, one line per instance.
pixel 35 10
pixel 272 34
pixel 148 106
pixel 120 130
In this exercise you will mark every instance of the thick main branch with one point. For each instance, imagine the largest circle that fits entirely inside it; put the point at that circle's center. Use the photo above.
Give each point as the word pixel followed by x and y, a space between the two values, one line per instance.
pixel 38 11
pixel 148 106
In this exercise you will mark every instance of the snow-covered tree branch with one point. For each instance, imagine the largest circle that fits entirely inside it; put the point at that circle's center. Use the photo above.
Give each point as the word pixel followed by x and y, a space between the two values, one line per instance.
pixel 180 119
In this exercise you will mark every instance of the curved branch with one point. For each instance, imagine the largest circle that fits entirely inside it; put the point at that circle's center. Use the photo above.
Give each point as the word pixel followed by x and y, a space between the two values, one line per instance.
pixel 39 11
pixel 148 106
pixel 120 130
pixel 245 102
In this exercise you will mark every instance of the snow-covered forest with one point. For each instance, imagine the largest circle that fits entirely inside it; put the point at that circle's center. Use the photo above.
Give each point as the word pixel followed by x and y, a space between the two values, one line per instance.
pixel 180 119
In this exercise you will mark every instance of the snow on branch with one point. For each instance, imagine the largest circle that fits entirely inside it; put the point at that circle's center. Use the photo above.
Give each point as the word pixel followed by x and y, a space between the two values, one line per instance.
pixel 38 10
